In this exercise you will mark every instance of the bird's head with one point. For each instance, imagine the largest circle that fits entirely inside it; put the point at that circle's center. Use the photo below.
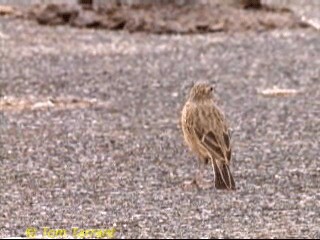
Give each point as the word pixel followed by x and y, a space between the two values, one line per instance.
pixel 201 91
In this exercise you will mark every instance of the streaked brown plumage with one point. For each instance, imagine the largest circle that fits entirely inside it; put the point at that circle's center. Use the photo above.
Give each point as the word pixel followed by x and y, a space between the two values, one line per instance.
pixel 205 131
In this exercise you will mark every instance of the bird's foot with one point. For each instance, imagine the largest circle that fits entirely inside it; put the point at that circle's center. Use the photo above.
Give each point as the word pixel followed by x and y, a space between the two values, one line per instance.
pixel 196 183
pixel 189 185
pixel 206 185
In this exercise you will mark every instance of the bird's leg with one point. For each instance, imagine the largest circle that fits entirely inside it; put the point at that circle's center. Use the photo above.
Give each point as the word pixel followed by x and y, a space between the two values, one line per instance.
pixel 200 181
pixel 199 173
pixel 197 179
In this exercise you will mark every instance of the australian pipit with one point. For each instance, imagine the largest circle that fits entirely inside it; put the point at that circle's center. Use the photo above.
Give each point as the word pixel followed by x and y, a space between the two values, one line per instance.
pixel 206 132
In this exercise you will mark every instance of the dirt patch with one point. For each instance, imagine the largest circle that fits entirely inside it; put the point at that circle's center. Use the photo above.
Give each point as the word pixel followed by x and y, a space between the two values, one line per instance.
pixel 167 18
pixel 278 92
pixel 6 10
pixel 19 104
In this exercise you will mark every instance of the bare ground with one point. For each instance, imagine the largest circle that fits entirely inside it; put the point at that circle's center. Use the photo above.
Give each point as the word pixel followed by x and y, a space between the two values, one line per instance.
pixel 166 18
pixel 90 135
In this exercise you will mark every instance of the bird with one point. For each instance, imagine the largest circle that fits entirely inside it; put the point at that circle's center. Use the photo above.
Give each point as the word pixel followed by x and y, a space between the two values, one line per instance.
pixel 207 134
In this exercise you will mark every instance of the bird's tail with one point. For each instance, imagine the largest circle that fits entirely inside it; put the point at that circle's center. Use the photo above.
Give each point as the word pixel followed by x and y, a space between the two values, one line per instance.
pixel 223 176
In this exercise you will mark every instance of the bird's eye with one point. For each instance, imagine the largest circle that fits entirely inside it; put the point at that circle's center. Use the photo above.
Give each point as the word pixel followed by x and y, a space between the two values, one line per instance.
pixel 211 89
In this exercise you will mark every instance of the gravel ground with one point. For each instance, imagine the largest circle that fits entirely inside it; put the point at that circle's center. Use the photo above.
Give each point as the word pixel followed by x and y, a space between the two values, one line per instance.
pixel 120 160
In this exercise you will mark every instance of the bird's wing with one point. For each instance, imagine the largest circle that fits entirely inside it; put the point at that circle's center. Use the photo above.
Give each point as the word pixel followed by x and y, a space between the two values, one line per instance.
pixel 217 140
pixel 219 145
